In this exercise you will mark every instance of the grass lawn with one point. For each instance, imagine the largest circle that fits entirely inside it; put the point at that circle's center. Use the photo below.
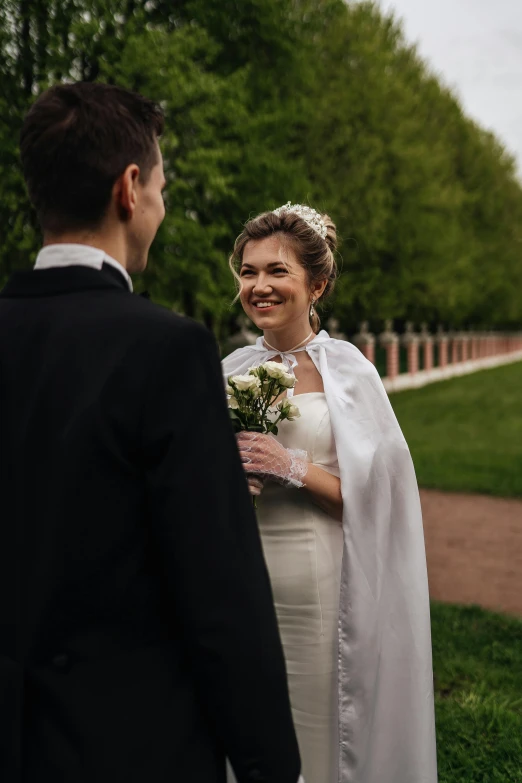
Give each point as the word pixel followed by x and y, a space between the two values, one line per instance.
pixel 465 434
pixel 477 659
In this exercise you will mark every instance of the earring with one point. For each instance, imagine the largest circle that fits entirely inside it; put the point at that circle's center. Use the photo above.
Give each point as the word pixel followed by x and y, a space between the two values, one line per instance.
pixel 312 310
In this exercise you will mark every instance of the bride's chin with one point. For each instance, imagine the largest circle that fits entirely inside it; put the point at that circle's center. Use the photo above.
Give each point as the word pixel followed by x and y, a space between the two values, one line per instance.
pixel 269 322
pixel 262 320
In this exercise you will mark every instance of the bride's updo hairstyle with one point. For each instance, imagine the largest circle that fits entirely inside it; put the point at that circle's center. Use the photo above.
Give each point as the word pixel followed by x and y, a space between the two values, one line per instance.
pixel 314 250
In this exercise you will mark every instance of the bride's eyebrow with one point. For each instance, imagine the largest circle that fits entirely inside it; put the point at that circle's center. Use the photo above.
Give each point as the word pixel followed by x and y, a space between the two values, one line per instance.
pixel 270 265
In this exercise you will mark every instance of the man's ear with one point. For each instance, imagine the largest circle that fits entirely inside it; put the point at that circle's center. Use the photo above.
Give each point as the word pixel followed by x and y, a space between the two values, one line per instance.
pixel 125 191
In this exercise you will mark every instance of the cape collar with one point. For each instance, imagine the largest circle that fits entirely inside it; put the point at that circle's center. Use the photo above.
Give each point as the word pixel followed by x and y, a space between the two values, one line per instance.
pixel 289 360
pixel 321 337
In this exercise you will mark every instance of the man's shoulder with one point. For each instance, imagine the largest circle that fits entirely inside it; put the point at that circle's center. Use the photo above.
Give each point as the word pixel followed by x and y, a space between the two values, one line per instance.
pixel 164 324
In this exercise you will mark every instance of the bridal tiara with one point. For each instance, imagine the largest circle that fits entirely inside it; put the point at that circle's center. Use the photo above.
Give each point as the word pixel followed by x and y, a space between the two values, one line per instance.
pixel 309 215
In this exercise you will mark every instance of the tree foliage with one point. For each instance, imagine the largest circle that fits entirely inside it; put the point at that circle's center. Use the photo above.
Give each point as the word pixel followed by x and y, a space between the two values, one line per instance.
pixel 271 100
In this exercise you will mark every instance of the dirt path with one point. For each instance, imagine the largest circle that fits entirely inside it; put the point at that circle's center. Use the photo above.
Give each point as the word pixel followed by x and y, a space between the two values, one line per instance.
pixel 474 549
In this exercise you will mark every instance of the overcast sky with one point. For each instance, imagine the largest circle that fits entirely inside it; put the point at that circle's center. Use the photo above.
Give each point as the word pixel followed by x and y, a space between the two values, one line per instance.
pixel 476 46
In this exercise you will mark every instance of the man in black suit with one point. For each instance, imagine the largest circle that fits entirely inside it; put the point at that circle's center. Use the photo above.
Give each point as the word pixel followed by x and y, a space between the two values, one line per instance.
pixel 138 640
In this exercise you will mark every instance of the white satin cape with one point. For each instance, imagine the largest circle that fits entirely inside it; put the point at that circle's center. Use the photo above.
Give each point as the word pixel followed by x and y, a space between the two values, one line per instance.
pixel 385 677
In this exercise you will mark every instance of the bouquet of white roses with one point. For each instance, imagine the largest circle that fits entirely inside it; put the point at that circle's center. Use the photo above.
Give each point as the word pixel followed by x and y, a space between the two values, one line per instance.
pixel 253 406
pixel 251 398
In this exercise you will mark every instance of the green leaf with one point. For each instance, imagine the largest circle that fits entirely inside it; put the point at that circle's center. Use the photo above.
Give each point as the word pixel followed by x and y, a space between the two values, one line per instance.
pixel 237 419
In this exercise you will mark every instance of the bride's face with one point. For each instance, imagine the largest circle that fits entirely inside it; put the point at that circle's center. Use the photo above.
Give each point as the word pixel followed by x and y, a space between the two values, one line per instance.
pixel 275 292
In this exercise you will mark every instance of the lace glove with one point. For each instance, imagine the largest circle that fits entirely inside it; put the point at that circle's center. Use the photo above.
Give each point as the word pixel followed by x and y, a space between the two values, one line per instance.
pixel 265 456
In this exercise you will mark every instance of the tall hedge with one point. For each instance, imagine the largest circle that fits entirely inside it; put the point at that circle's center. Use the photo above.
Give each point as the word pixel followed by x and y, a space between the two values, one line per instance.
pixel 270 100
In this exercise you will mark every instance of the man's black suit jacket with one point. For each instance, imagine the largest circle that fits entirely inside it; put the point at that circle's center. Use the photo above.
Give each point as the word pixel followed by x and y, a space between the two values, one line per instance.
pixel 138 640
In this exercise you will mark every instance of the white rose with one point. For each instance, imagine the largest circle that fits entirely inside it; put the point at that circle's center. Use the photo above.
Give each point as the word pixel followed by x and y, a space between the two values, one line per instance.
pixel 233 403
pixel 293 413
pixel 287 380
pixel 274 369
pixel 245 382
pixel 229 390
pixel 290 410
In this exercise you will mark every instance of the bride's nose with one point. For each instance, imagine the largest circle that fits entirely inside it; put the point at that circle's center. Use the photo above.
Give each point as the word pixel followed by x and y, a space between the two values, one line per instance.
pixel 261 286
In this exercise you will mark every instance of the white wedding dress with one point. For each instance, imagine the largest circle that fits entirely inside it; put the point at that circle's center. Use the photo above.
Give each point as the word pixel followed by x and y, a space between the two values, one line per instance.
pixel 386 729
pixel 303 549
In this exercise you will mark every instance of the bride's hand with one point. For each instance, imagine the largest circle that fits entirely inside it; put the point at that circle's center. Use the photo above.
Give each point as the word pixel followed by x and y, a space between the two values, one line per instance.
pixel 265 456
pixel 255 484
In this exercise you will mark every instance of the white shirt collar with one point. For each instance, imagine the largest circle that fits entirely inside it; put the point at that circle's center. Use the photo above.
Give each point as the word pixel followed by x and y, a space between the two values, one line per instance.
pixel 77 255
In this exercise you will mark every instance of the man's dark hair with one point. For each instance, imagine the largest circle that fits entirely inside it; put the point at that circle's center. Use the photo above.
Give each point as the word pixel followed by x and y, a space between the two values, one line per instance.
pixel 76 140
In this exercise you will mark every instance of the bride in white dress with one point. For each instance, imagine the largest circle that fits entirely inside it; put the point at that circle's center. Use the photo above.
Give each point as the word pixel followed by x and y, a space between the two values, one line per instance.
pixel 342 539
